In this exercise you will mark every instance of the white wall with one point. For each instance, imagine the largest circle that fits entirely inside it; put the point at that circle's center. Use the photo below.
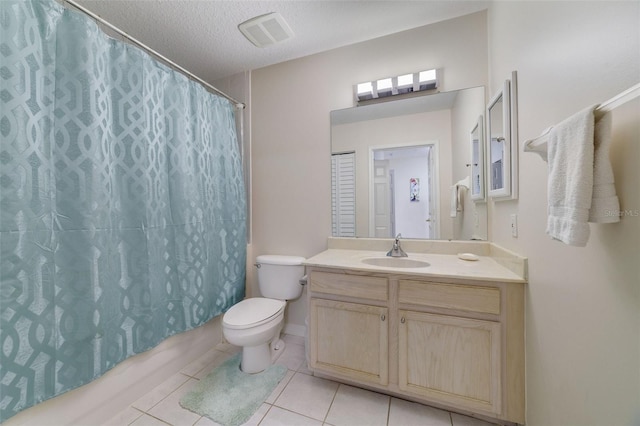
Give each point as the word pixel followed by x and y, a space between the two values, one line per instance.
pixel 583 304
pixel 291 131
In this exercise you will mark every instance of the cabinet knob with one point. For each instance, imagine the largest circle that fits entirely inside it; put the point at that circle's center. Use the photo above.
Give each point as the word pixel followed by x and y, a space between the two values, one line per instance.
pixel 382 317
pixel 402 320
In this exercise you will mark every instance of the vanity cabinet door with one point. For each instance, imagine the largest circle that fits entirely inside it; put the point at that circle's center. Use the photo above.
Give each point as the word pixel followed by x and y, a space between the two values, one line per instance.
pixel 451 359
pixel 349 339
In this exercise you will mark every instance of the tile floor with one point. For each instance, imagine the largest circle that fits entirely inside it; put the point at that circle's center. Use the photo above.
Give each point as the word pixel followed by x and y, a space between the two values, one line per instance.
pixel 299 400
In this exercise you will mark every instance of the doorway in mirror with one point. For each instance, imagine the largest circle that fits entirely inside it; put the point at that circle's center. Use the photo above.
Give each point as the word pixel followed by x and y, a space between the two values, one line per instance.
pixel 403 189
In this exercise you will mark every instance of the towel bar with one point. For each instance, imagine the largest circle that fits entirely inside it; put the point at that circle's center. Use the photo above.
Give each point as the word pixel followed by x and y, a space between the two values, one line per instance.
pixel 539 144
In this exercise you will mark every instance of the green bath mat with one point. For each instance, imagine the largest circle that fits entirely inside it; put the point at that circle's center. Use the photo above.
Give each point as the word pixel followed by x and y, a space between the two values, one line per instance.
pixel 230 397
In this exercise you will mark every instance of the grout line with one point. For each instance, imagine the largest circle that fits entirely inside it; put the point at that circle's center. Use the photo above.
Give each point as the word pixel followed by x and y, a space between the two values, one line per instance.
pixel 296 413
pixel 192 377
pixel 332 401
pixel 157 418
pixel 265 414
pixel 389 410
pixel 142 413
pixel 283 388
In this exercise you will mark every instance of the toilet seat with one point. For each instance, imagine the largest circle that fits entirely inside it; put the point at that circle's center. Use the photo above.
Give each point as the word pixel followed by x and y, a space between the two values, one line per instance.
pixel 252 312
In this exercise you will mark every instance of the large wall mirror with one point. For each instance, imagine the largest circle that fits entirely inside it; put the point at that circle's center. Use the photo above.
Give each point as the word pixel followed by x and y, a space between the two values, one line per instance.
pixel 395 166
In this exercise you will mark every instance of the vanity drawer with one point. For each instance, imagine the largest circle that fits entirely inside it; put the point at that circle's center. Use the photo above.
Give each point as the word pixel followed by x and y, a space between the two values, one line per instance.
pixel 373 288
pixel 484 300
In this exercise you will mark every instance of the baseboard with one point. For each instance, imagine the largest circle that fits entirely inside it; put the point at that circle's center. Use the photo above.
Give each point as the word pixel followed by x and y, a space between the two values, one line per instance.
pixel 295 330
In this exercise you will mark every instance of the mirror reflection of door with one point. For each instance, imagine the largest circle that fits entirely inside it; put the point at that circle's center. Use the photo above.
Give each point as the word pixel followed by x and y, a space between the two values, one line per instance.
pixel 383 187
pixel 343 194
pixel 497 169
pixel 394 208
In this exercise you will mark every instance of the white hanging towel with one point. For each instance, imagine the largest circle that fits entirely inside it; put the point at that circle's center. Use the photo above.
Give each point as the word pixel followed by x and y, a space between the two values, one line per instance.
pixel 605 206
pixel 456 195
pixel 571 155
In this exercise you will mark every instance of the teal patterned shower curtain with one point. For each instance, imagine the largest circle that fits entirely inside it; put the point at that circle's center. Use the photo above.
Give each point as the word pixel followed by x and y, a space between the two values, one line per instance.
pixel 122 203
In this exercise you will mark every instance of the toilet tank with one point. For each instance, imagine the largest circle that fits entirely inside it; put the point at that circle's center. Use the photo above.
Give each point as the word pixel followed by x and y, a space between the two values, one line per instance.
pixel 279 276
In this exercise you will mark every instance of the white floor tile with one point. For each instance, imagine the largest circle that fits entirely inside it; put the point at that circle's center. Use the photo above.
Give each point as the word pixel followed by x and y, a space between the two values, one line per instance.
pixel 125 417
pixel 160 392
pixel 405 413
pixel 197 365
pixel 228 347
pixel 358 407
pixel 170 411
pixel 292 357
pixel 278 390
pixel 218 359
pixel 258 415
pixel 299 399
pixel 290 338
pixel 460 420
pixel 308 395
pixel 279 417
pixel 146 420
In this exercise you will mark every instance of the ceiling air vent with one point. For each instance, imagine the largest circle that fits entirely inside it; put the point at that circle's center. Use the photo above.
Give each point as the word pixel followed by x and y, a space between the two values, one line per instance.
pixel 266 29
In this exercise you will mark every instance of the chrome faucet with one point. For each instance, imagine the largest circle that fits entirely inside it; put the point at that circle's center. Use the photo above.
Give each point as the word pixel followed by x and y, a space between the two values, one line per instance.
pixel 396 250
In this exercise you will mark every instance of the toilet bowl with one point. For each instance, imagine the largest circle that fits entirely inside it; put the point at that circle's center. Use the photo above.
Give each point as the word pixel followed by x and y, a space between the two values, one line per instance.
pixel 255 323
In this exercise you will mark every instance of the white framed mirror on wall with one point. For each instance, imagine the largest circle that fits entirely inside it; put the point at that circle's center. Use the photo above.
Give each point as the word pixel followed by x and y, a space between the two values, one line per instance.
pixel 499 143
pixel 502 142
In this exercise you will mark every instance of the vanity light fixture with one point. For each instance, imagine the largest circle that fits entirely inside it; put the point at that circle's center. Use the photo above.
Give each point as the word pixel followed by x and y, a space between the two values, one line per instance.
pixel 266 30
pixel 400 85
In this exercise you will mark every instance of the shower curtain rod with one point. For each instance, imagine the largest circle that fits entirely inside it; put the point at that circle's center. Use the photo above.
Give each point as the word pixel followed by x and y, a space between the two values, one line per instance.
pixel 143 46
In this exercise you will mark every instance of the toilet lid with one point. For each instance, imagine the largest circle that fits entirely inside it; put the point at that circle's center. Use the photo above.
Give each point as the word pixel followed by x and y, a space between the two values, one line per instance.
pixel 253 311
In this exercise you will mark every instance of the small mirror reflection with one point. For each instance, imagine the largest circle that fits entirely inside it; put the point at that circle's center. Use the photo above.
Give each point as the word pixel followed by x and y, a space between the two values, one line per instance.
pixel 496 167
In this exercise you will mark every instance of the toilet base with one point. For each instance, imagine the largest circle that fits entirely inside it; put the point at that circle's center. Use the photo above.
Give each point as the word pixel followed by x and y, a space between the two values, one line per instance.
pixel 256 359
pixel 277 347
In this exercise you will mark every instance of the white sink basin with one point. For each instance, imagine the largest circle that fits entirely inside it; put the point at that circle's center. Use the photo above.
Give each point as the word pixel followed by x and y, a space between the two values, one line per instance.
pixel 395 262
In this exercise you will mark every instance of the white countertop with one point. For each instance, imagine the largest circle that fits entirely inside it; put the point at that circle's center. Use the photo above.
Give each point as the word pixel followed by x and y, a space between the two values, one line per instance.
pixel 440 265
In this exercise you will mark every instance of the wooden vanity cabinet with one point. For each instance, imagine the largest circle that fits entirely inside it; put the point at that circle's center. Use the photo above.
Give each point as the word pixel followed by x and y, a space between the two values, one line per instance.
pixel 445 356
pixel 455 344
pixel 352 340
pixel 349 339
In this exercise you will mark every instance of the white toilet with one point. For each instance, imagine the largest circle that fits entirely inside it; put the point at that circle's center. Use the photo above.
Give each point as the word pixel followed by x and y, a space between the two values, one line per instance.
pixel 255 323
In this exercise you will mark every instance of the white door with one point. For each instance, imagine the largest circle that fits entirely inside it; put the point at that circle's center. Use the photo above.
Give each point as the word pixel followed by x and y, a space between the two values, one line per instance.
pixel 381 198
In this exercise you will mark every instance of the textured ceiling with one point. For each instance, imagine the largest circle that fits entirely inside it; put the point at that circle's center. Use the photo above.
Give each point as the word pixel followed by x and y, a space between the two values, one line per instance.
pixel 202 35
